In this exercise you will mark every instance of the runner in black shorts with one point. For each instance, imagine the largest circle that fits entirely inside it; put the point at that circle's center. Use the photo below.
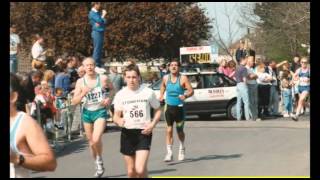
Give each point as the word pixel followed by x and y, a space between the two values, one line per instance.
pixel 175 84
pixel 132 106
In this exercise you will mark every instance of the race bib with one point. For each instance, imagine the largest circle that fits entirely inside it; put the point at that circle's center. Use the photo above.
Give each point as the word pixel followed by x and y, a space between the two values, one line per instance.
pixel 304 81
pixel 95 96
pixel 135 115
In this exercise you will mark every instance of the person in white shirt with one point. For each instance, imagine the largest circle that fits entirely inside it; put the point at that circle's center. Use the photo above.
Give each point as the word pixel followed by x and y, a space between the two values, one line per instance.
pixel 264 85
pixel 252 88
pixel 132 112
pixel 38 53
pixel 14 49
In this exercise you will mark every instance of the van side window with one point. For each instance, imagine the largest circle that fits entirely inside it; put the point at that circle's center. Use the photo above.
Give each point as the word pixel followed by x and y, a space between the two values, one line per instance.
pixel 195 81
pixel 213 80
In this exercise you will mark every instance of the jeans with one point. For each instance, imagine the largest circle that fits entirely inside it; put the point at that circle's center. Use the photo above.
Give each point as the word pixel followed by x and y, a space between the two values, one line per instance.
pixel 243 96
pixel 274 101
pixel 13 63
pixel 97 46
pixel 253 100
pixel 287 100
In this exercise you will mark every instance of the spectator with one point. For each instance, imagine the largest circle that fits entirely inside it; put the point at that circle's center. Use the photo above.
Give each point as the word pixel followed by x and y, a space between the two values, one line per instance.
pixel 14 49
pixel 252 88
pixel 60 104
pixel 48 76
pixel 295 65
pixel 72 71
pixel 248 51
pixel 38 53
pixel 98 23
pixel 242 90
pixel 274 90
pixel 224 68
pixel 50 59
pixel 286 89
pixel 44 98
pixel 232 66
pixel 264 84
pixel 34 78
pixel 116 79
pixel 240 52
pixel 62 79
pixel 163 70
pixel 81 71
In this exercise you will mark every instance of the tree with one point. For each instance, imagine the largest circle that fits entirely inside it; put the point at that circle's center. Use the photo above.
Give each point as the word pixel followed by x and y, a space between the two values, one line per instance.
pixel 137 29
pixel 281 27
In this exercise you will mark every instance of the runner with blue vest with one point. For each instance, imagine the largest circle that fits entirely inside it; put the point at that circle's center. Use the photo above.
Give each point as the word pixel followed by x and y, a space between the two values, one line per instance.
pixel 91 90
pixel 303 76
pixel 175 85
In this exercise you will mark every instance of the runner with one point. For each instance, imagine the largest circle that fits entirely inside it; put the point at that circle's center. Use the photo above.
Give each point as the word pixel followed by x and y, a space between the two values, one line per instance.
pixel 132 112
pixel 175 85
pixel 92 87
pixel 29 148
pixel 303 75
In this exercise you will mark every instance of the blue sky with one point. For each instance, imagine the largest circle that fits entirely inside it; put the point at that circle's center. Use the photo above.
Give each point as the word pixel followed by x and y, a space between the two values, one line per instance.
pixel 219 8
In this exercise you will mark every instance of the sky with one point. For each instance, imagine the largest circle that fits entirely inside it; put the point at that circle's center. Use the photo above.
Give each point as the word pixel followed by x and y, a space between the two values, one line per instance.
pixel 219 8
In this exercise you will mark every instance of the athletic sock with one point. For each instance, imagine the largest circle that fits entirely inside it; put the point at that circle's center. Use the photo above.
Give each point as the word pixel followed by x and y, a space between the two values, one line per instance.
pixel 169 148
pixel 181 145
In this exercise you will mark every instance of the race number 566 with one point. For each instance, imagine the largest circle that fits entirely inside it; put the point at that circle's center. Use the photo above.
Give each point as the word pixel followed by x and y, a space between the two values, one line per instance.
pixel 136 114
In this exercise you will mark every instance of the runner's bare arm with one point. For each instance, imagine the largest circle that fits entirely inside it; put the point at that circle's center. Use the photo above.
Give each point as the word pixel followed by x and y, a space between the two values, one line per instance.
pixel 149 127
pixel 163 87
pixel 43 158
pixel 186 84
pixel 78 93
pixel 118 119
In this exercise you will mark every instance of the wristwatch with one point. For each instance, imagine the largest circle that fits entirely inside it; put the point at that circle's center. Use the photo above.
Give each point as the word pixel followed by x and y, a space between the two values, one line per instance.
pixel 21 159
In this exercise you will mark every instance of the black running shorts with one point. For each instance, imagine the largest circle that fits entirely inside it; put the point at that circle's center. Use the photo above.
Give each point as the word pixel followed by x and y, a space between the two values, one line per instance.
pixel 132 140
pixel 174 114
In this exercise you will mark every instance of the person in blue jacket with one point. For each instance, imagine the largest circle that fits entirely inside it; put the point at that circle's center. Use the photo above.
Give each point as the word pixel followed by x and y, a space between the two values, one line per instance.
pixel 98 23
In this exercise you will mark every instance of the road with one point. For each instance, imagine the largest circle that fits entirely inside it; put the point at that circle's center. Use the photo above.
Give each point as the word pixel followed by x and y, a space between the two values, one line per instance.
pixel 275 147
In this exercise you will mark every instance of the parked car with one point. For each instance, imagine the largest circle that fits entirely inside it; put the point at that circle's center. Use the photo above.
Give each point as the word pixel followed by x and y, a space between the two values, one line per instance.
pixel 214 93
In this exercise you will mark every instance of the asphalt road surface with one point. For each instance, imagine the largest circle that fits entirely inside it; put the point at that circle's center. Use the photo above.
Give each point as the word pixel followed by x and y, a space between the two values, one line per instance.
pixel 216 147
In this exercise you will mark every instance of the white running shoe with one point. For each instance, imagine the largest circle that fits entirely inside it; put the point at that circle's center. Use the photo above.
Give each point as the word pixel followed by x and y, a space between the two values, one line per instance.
pixel 99 169
pixel 181 155
pixel 286 115
pixel 168 157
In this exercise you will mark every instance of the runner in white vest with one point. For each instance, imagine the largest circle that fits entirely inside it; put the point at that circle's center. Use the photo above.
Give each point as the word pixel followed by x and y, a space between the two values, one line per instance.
pixel 29 148
pixel 91 89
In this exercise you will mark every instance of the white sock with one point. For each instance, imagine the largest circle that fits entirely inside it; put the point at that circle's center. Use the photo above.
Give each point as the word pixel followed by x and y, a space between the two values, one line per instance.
pixel 169 148
pixel 181 145
pixel 98 158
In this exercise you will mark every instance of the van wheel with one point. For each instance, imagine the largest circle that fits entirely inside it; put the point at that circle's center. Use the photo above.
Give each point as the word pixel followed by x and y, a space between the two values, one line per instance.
pixel 232 112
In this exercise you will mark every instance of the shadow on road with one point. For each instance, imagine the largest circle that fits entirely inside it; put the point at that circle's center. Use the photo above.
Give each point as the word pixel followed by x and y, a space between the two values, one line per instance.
pixel 73 147
pixel 149 172
pixel 208 157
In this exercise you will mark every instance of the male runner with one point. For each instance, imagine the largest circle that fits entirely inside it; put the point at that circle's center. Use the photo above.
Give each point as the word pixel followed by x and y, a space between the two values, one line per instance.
pixel 175 84
pixel 132 112
pixel 91 89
